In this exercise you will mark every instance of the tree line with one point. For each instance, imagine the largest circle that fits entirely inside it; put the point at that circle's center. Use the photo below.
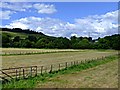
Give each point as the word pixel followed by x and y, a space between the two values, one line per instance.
pixel 39 40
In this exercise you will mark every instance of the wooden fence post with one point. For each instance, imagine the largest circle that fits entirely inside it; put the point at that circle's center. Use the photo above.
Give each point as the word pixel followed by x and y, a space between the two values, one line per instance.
pixel 23 73
pixel 19 72
pixel 66 64
pixel 71 63
pixel 16 74
pixel 41 69
pixel 74 62
pixel 59 67
pixel 51 68
pixel 31 71
pixel 36 71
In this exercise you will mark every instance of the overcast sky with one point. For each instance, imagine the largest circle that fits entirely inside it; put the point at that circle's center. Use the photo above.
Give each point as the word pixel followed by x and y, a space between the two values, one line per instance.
pixel 62 18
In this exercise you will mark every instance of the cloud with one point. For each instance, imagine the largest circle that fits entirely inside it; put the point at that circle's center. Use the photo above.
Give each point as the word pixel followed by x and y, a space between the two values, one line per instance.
pixel 106 24
pixel 17 25
pixel 49 26
pixel 7 9
pixel 96 25
pixel 45 8
pixel 5 14
pixel 23 6
pixel 15 6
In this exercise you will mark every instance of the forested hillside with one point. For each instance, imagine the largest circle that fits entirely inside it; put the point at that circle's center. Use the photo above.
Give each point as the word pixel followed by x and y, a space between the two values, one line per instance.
pixel 19 38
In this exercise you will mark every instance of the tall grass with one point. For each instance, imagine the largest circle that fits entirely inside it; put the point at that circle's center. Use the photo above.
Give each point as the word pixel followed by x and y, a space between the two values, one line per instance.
pixel 32 82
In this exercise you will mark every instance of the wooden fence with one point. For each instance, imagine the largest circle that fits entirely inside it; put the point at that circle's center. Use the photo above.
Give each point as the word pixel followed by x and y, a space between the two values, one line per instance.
pixel 32 71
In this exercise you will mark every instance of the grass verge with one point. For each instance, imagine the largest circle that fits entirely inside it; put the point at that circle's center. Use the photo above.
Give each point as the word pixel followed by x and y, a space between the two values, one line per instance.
pixel 32 82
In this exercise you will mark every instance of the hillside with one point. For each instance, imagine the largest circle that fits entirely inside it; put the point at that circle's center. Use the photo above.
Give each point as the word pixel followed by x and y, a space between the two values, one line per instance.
pixel 21 38
pixel 19 32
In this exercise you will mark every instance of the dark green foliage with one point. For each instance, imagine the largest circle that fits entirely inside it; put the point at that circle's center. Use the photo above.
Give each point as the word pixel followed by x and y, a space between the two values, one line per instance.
pixel 6 40
pixel 38 40
pixel 62 43
pixel 18 30
pixel 26 43
pixel 16 39
pixel 32 38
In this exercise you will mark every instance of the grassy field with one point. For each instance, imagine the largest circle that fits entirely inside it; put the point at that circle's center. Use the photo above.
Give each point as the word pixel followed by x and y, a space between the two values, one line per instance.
pixel 95 74
pixel 24 50
pixel 13 34
pixel 103 76
pixel 51 58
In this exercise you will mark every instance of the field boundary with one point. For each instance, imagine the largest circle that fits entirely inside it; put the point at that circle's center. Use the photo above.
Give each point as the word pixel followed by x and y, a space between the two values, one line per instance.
pixel 18 73
pixel 32 53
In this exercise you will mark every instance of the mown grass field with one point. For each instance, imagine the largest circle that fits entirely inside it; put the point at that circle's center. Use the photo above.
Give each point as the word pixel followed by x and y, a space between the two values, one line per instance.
pixel 24 50
pixel 50 58
pixel 103 76
pixel 94 74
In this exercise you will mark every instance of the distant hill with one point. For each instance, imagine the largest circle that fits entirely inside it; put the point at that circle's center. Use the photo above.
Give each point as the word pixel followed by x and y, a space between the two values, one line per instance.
pixel 18 30
pixel 23 33
pixel 25 38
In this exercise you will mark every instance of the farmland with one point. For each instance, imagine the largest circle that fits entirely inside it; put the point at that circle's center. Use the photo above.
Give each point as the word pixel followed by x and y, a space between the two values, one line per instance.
pixel 59 45
pixel 50 58
pixel 103 76
pixel 101 73
pixel 8 51
pixel 99 76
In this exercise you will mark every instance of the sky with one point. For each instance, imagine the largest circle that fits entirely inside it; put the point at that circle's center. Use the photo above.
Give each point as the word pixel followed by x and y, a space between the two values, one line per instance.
pixel 62 19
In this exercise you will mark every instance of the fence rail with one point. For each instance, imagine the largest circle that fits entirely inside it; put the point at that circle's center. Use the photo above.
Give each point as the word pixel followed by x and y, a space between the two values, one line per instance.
pixel 32 71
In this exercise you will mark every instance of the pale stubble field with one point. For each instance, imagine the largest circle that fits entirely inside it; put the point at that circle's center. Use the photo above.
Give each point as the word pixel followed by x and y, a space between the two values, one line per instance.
pixel 52 58
pixel 102 76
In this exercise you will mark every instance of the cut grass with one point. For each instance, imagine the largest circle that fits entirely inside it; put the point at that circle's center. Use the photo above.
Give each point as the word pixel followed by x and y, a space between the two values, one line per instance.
pixel 32 82
pixel 51 58
pixel 32 53
pixel 101 76
pixel 29 51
